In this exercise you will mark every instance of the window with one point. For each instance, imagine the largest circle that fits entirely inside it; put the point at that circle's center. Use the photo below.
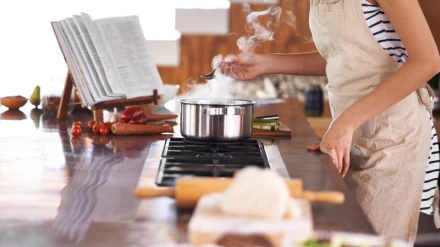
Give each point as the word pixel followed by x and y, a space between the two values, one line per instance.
pixel 29 53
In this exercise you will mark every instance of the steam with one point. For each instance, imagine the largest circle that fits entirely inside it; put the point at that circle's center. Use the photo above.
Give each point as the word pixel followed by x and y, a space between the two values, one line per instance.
pixel 221 87
pixel 292 22
pixel 259 32
pixel 261 27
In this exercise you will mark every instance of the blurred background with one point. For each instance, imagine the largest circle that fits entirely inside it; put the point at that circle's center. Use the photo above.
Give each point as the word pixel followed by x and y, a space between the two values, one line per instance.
pixel 183 35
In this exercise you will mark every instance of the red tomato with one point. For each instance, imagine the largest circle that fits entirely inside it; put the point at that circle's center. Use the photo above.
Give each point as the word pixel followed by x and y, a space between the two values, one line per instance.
pixel 77 124
pixel 96 127
pixel 90 125
pixel 76 131
pixel 104 139
pixel 76 141
pixel 107 124
pixel 105 130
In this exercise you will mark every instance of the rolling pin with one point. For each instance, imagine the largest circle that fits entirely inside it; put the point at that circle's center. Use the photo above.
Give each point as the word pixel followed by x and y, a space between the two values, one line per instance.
pixel 188 191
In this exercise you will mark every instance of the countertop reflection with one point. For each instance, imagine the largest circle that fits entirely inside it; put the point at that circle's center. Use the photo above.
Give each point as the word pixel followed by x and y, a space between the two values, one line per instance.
pixel 59 190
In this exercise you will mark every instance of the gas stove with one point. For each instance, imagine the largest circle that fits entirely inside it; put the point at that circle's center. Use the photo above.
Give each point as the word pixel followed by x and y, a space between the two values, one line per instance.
pixel 178 158
pixel 183 158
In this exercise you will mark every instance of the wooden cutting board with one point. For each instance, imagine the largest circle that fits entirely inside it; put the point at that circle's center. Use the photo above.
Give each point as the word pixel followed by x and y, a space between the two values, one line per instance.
pixel 283 131
pixel 208 225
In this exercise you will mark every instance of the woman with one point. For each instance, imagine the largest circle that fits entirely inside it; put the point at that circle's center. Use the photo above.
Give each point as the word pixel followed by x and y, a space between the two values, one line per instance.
pixel 381 132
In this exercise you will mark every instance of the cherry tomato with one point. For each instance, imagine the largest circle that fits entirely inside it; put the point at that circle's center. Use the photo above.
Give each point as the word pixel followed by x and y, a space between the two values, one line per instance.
pixel 105 130
pixel 76 141
pixel 90 125
pixel 109 124
pixel 96 127
pixel 104 139
pixel 77 124
pixel 76 131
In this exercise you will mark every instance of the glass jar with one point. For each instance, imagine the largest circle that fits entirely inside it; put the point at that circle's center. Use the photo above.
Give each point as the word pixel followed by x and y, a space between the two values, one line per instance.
pixel 314 101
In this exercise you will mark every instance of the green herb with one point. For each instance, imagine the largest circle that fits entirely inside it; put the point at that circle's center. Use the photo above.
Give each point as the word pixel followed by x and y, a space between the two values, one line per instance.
pixel 315 243
pixel 266 124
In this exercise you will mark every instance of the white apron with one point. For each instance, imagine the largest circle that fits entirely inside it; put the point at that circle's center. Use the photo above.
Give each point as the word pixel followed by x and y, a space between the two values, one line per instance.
pixel 390 151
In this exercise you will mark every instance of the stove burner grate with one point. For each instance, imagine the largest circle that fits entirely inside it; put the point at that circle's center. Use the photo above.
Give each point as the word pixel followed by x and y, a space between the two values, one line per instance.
pixel 182 158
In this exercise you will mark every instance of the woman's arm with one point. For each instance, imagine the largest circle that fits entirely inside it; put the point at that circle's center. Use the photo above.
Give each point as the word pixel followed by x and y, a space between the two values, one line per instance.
pixel 422 64
pixel 247 66
pixel 310 64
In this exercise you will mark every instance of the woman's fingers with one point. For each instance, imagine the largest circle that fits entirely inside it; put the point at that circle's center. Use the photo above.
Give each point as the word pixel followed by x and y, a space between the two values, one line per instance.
pixel 314 147
pixel 340 154
pixel 327 149
pixel 227 69
pixel 346 163
pixel 341 159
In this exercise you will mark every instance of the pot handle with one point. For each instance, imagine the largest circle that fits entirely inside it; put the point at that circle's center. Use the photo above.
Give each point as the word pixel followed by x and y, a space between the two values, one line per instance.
pixel 236 110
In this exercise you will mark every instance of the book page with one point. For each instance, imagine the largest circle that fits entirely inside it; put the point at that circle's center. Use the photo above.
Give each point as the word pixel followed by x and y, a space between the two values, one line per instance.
pixel 74 70
pixel 96 81
pixel 128 49
pixel 81 63
pixel 100 56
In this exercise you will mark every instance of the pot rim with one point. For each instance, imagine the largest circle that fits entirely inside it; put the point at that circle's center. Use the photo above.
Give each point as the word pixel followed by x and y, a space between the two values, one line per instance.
pixel 217 102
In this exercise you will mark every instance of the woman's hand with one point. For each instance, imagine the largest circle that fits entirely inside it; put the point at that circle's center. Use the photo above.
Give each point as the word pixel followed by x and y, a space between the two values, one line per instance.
pixel 337 144
pixel 243 67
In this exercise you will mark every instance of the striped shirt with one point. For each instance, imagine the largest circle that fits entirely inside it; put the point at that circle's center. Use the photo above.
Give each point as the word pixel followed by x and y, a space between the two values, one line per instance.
pixel 380 26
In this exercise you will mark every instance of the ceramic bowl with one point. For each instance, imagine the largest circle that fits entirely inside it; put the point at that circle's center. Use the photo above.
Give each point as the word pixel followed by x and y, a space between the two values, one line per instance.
pixel 14 102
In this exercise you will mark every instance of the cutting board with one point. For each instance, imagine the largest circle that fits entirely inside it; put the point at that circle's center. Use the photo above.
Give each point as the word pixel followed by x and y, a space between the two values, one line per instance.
pixel 283 131
pixel 209 225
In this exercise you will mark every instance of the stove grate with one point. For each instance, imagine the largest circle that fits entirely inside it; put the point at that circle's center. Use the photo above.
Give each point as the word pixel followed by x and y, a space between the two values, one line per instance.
pixel 181 158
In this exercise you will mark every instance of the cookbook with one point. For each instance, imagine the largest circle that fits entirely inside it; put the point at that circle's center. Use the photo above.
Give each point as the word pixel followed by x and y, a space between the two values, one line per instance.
pixel 108 58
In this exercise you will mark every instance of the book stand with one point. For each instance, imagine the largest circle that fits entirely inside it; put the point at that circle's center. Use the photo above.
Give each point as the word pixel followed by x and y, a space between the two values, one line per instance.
pixel 98 113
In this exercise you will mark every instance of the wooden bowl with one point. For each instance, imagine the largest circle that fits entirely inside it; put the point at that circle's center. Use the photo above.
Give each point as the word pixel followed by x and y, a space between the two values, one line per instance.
pixel 14 102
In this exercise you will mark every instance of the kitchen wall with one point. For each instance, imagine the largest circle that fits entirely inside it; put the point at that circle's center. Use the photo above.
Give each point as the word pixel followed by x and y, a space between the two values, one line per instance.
pixel 431 9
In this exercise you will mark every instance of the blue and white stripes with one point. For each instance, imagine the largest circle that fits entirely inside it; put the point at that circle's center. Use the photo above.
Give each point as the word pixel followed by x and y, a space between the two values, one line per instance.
pixel 380 26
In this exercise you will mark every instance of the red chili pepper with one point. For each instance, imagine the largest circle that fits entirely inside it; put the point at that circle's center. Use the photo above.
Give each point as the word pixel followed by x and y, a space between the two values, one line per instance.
pixel 139 119
pixel 130 113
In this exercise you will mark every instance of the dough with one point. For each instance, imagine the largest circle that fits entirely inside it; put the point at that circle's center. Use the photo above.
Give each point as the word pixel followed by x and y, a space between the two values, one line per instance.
pixel 256 192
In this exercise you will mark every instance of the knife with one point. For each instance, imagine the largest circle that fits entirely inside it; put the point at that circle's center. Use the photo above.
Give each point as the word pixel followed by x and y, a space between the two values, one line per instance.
pixel 269 117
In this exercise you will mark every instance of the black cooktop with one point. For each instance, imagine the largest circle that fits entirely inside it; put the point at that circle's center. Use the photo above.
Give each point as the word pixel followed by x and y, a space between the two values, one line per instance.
pixel 183 158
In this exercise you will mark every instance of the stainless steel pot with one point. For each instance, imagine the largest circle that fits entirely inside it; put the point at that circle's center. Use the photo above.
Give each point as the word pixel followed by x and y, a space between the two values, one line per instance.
pixel 216 119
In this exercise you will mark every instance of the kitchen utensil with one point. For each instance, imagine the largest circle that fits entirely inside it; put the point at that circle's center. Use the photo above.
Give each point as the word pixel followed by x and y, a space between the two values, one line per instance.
pixel 209 76
pixel 270 117
pixel 216 119
pixel 188 191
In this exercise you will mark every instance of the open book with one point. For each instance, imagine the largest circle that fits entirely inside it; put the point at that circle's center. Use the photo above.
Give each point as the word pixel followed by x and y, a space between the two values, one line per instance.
pixel 107 58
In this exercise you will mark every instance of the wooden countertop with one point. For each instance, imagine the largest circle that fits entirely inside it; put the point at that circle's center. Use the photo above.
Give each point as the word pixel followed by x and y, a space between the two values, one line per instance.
pixel 62 191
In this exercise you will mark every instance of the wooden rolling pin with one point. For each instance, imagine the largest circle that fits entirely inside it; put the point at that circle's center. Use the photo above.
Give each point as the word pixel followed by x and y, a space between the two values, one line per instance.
pixel 188 191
